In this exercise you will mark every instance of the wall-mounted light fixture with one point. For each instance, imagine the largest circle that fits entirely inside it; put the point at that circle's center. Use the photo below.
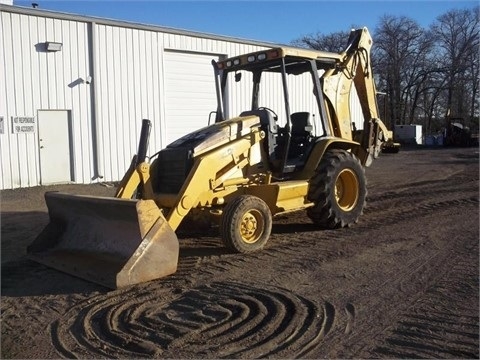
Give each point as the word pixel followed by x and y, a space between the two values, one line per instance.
pixel 53 46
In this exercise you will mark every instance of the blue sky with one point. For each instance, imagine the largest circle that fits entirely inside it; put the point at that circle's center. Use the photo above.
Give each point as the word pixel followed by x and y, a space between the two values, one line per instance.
pixel 274 21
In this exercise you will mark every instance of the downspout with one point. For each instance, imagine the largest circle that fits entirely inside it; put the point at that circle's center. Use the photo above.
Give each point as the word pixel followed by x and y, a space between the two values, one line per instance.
pixel 96 138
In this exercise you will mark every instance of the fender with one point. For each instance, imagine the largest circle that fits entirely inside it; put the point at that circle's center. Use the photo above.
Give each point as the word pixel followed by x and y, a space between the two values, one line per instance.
pixel 319 149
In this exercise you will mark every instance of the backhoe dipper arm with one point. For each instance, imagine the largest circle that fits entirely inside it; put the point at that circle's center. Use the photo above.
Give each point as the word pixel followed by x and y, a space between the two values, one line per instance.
pixel 356 69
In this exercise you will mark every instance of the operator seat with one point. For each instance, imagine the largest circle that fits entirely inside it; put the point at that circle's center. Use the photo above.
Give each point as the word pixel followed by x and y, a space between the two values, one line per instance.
pixel 301 133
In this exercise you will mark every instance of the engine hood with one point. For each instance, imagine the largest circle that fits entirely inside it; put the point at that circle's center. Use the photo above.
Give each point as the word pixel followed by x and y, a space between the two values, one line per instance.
pixel 212 136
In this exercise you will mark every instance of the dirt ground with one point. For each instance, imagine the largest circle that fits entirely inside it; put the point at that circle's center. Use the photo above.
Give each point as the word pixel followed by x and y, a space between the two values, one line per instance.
pixel 402 283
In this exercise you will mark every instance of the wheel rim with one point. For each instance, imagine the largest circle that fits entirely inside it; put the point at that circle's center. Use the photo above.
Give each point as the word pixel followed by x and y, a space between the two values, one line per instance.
pixel 346 189
pixel 251 226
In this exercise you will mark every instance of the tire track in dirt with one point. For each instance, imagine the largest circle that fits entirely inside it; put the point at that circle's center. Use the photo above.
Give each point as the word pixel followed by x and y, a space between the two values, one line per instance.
pixel 230 319
pixel 385 200
pixel 455 184
pixel 422 288
pixel 412 207
pixel 400 299
pixel 422 330
pixel 312 250
pixel 288 254
pixel 418 267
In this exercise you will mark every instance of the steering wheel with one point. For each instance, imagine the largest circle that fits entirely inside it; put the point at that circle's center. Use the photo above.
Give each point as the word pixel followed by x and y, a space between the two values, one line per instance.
pixel 275 116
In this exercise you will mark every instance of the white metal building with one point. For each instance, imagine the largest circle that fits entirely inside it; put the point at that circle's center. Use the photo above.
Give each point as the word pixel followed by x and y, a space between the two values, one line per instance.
pixel 74 89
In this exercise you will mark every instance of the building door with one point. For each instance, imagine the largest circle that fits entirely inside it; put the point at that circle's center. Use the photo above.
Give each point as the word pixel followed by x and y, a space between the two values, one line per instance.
pixel 189 92
pixel 54 135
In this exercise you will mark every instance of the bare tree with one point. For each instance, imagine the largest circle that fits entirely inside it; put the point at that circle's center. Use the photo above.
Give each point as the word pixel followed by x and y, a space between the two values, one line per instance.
pixel 457 37
pixel 425 73
pixel 334 42
pixel 402 57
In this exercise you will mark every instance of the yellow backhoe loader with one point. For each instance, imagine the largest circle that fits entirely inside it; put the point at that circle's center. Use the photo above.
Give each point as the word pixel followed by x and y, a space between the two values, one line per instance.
pixel 239 171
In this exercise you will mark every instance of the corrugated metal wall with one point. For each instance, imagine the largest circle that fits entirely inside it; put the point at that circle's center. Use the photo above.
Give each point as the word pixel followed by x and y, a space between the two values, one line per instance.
pixel 131 84
pixel 32 79
pixel 109 76
pixel 129 87
pixel 126 67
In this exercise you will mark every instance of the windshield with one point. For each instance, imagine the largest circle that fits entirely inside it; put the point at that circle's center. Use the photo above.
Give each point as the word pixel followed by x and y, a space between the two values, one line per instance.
pixel 247 89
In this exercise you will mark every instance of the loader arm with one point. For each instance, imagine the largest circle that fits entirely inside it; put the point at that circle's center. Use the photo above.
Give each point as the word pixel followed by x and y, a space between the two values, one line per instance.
pixel 209 173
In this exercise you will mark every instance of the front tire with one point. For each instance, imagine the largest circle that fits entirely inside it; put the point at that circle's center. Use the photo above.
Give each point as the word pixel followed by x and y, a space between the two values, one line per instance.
pixel 338 190
pixel 246 224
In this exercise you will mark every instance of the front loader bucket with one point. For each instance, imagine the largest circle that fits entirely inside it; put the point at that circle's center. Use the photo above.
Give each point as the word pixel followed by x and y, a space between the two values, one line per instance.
pixel 112 242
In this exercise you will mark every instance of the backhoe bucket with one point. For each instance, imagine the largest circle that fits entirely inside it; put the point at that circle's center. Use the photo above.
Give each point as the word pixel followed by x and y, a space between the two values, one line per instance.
pixel 112 242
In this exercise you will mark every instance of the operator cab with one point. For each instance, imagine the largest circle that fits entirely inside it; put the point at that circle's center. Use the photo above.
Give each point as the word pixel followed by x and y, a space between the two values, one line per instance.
pixel 289 124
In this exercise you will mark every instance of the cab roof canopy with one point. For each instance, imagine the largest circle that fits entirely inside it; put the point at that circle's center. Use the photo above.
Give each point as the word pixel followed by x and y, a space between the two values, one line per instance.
pixel 296 60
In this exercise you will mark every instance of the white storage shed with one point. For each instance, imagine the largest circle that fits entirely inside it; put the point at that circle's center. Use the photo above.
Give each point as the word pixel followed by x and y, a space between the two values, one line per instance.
pixel 74 89
pixel 408 134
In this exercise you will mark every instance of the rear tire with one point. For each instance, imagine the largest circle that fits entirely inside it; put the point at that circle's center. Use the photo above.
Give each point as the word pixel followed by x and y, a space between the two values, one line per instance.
pixel 246 224
pixel 338 190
